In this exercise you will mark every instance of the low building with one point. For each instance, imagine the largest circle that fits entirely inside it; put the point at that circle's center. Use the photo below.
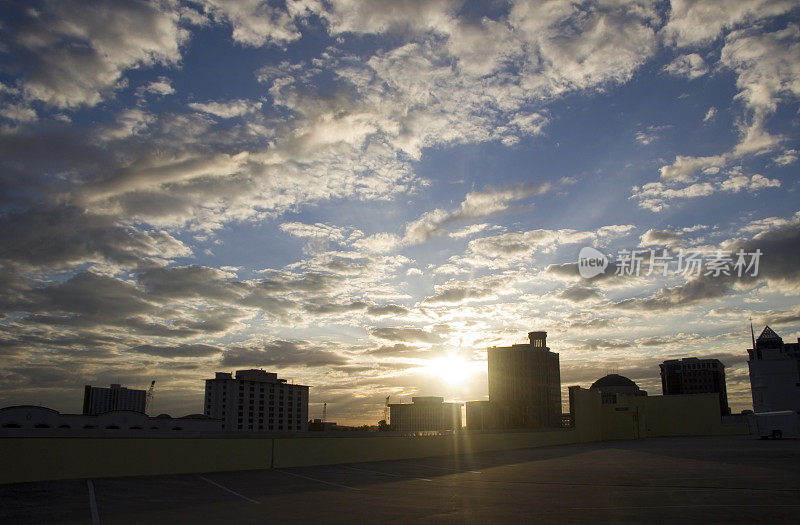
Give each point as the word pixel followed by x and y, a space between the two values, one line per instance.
pixel 612 385
pixel 636 416
pixel 691 375
pixel 256 400
pixel 25 418
pixel 482 415
pixel 97 400
pixel 428 413
pixel 774 373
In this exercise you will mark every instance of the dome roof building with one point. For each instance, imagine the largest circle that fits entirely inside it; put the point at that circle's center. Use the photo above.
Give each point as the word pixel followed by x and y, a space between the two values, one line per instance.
pixel 612 385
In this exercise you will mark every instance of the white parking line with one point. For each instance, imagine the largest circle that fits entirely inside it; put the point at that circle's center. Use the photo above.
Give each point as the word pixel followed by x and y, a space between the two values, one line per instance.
pixel 93 503
pixel 315 479
pixel 227 489
pixel 384 473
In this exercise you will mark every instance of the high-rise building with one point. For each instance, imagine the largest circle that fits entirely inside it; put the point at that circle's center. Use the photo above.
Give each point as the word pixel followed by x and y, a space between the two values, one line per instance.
pixel 424 414
pixel 774 373
pixel 256 400
pixel 691 375
pixel 525 384
pixel 97 400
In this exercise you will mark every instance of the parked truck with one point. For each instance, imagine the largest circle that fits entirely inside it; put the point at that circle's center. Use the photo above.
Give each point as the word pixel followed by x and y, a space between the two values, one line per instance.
pixel 776 425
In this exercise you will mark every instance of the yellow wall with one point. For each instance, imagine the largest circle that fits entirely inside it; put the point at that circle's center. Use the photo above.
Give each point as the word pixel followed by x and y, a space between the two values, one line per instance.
pixel 649 416
pixel 34 459
pixel 295 452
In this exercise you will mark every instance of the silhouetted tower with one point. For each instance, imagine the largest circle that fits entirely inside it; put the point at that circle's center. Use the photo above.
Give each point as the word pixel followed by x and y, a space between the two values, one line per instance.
pixel 324 411
pixel 525 384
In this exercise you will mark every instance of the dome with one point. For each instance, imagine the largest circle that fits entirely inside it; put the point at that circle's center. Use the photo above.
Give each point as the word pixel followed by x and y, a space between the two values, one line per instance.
pixel 613 381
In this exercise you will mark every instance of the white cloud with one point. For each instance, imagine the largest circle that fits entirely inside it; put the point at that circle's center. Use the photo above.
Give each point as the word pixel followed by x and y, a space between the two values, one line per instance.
pixel 694 22
pixel 80 50
pixel 480 203
pixel 789 156
pixel 657 196
pixel 257 23
pixel 690 66
pixel 684 168
pixel 229 109
pixel 710 114
pixel 160 87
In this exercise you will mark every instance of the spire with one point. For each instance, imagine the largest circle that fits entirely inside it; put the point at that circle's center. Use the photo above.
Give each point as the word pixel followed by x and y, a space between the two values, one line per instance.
pixel 752 334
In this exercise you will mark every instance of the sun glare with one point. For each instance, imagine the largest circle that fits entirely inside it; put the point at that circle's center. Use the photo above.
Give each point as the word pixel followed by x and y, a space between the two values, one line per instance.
pixel 452 369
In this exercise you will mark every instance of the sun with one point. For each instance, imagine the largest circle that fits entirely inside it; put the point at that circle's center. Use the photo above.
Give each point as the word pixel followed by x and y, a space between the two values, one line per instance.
pixel 452 369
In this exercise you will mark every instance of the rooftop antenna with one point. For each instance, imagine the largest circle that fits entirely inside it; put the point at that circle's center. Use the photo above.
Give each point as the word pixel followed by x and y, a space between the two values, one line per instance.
pixel 752 334
pixel 386 410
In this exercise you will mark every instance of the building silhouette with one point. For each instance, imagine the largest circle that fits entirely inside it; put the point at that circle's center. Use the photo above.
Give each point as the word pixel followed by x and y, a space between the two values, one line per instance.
pixel 774 373
pixel 31 421
pixel 612 385
pixel 97 400
pixel 481 415
pixel 256 400
pixel 525 384
pixel 691 375
pixel 428 413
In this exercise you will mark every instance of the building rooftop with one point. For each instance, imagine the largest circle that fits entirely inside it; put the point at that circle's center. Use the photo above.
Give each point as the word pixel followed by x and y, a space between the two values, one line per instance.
pixel 612 380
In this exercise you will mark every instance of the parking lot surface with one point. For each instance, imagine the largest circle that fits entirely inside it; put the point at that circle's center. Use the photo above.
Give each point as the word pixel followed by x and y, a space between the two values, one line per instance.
pixel 668 480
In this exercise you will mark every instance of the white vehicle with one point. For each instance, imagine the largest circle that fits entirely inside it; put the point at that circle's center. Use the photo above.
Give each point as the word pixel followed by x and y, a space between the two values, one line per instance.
pixel 776 425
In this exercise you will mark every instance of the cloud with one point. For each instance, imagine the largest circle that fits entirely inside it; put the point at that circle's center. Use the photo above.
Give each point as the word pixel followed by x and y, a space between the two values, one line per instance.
pixel 405 335
pixel 579 294
pixel 63 237
pixel 183 350
pixel 160 87
pixel 656 196
pixel 486 288
pixel 694 22
pixel 710 114
pixel 487 201
pixel 75 52
pixel 280 353
pixel 780 246
pixel 668 238
pixel 689 66
pixel 256 23
pixel 789 156
pixel 228 109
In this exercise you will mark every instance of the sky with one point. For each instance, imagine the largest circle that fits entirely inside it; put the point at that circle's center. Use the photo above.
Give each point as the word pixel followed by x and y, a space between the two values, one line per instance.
pixel 363 196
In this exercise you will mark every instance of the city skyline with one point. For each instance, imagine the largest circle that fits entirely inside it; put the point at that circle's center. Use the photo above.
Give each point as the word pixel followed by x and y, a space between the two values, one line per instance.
pixel 365 196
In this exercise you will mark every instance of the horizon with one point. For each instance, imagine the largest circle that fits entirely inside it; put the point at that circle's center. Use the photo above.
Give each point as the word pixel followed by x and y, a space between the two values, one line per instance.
pixel 365 196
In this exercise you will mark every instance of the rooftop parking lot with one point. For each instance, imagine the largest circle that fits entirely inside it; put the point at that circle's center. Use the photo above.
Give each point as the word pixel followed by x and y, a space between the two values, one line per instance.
pixel 673 480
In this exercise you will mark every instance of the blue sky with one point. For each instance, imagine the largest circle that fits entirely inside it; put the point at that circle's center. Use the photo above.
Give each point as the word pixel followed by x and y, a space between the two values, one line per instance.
pixel 363 196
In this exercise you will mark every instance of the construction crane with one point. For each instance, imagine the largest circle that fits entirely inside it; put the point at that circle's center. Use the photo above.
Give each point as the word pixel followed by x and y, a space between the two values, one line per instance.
pixel 324 411
pixel 148 403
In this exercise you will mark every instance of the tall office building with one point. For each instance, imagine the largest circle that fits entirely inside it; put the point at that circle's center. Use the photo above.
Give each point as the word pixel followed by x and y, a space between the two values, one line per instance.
pixel 256 400
pixel 691 375
pixel 97 400
pixel 525 384
pixel 774 373
pixel 425 413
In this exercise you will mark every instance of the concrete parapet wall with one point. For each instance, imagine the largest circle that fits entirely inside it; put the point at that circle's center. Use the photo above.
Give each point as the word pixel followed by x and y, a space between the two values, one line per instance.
pixel 45 458
pixel 331 450
pixel 36 459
